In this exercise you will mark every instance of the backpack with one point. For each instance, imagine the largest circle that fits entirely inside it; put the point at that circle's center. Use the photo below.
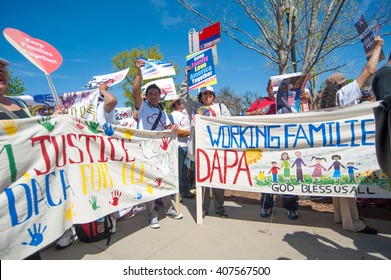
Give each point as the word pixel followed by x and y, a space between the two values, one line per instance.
pixel 95 231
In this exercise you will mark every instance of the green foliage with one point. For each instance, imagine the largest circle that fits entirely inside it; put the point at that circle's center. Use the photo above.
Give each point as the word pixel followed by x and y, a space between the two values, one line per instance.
pixel 15 86
pixel 126 59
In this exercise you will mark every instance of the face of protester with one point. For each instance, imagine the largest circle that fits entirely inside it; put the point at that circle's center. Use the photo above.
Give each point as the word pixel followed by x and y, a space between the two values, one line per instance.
pixel 207 97
pixel 153 96
pixel 3 80
pixel 270 92
pixel 178 105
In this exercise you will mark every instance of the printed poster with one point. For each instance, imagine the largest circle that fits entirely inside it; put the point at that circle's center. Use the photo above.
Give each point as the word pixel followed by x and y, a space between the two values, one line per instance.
pixel 202 71
pixel 154 68
pixel 108 79
pixel 288 95
pixel 167 88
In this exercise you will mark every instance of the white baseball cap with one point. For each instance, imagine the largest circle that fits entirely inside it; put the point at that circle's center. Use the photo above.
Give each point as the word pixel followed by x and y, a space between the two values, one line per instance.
pixel 206 88
pixel 4 62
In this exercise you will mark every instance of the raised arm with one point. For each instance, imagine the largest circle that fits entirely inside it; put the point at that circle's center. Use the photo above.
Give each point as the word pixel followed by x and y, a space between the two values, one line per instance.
pixel 370 67
pixel 136 90
pixel 110 99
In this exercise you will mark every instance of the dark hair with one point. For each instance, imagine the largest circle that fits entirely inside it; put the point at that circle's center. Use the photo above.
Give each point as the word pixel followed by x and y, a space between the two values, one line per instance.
pixel 333 156
pixel 200 94
pixel 320 158
pixel 285 153
pixel 389 58
pixel 152 87
pixel 269 82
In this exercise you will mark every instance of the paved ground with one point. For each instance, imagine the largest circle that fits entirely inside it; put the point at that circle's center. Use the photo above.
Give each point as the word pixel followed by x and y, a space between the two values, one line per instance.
pixel 242 236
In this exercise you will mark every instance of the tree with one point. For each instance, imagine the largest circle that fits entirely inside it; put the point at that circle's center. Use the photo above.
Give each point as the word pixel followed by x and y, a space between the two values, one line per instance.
pixel 126 59
pixel 248 99
pixel 280 29
pixel 231 100
pixel 15 85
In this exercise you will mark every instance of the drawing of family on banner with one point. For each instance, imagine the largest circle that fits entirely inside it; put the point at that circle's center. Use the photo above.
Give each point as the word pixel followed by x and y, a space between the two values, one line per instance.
pixel 317 153
pixel 58 171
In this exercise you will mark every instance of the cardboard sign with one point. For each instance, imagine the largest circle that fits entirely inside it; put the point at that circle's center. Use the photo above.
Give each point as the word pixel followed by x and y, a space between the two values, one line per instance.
pixel 38 52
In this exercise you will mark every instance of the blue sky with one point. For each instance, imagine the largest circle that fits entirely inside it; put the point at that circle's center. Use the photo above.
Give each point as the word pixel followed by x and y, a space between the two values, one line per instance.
pixel 88 34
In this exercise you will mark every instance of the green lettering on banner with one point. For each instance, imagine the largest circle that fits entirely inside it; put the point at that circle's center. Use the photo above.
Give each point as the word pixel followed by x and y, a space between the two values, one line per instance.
pixel 11 160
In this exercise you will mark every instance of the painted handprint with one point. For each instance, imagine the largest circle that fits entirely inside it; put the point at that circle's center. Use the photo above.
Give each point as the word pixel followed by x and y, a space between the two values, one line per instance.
pixel 93 127
pixel 128 133
pixel 165 166
pixel 47 124
pixel 158 181
pixel 94 203
pixel 9 127
pixel 68 99
pixel 68 212
pixel 108 129
pixel 116 195
pixel 36 236
pixel 86 97
pixel 43 98
pixel 138 194
pixel 165 143
pixel 76 121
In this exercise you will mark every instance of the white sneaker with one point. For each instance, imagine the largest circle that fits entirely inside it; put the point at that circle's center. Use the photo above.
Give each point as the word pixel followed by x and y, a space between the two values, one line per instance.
pixel 154 223
pixel 68 237
pixel 173 214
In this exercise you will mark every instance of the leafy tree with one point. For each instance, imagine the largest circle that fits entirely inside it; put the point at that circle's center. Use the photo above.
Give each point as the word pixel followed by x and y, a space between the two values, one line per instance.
pixel 15 85
pixel 295 35
pixel 126 59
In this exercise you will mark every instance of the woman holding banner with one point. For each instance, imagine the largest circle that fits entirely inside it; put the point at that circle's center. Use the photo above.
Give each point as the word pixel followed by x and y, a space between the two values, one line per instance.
pixel 338 93
pixel 205 106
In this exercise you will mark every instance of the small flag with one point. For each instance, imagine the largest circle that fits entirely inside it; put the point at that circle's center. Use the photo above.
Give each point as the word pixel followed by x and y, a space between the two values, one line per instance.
pixel 378 27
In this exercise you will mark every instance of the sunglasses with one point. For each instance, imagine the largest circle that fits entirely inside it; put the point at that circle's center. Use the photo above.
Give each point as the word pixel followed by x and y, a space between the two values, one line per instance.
pixel 207 93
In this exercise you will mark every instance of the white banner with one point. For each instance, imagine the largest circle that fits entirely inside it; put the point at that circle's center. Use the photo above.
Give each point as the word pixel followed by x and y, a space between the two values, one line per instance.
pixel 81 104
pixel 167 88
pixel 56 171
pixel 321 153
pixel 110 80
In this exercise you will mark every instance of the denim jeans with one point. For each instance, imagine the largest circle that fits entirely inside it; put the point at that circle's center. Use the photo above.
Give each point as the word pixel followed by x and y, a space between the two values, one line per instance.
pixel 183 170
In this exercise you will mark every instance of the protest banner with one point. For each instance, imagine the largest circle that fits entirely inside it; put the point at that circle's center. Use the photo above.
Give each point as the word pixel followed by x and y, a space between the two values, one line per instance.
pixel 122 113
pixel 81 104
pixel 56 172
pixel 154 68
pixel 202 71
pixel 167 88
pixel 328 153
pixel 110 80
pixel 288 95
pixel 365 33
pixel 38 52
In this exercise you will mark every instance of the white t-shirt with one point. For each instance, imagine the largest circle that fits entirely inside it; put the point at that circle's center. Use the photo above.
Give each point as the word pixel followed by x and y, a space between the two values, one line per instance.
pixel 102 116
pixel 147 115
pixel 348 94
pixel 182 120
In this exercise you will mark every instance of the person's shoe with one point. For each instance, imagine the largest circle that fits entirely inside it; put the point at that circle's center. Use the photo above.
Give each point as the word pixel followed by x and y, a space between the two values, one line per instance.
pixel 222 214
pixel 173 214
pixel 68 237
pixel 204 213
pixel 265 213
pixel 128 214
pixel 188 194
pixel 154 223
pixel 368 230
pixel 292 214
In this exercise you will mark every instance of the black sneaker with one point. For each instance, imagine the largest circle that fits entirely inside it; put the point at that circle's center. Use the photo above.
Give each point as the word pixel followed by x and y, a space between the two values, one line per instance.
pixel 292 215
pixel 368 230
pixel 265 213
pixel 222 214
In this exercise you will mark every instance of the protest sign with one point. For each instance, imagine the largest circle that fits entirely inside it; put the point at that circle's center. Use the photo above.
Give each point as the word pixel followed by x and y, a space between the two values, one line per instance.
pixel 38 52
pixel 276 80
pixel 202 71
pixel 81 104
pixel 288 95
pixel 326 153
pixel 108 79
pixel 56 172
pixel 167 88
pixel 122 113
pixel 365 33
pixel 154 68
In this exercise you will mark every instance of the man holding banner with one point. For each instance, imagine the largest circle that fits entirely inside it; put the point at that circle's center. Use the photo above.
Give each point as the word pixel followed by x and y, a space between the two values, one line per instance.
pixel 338 93
pixel 152 117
